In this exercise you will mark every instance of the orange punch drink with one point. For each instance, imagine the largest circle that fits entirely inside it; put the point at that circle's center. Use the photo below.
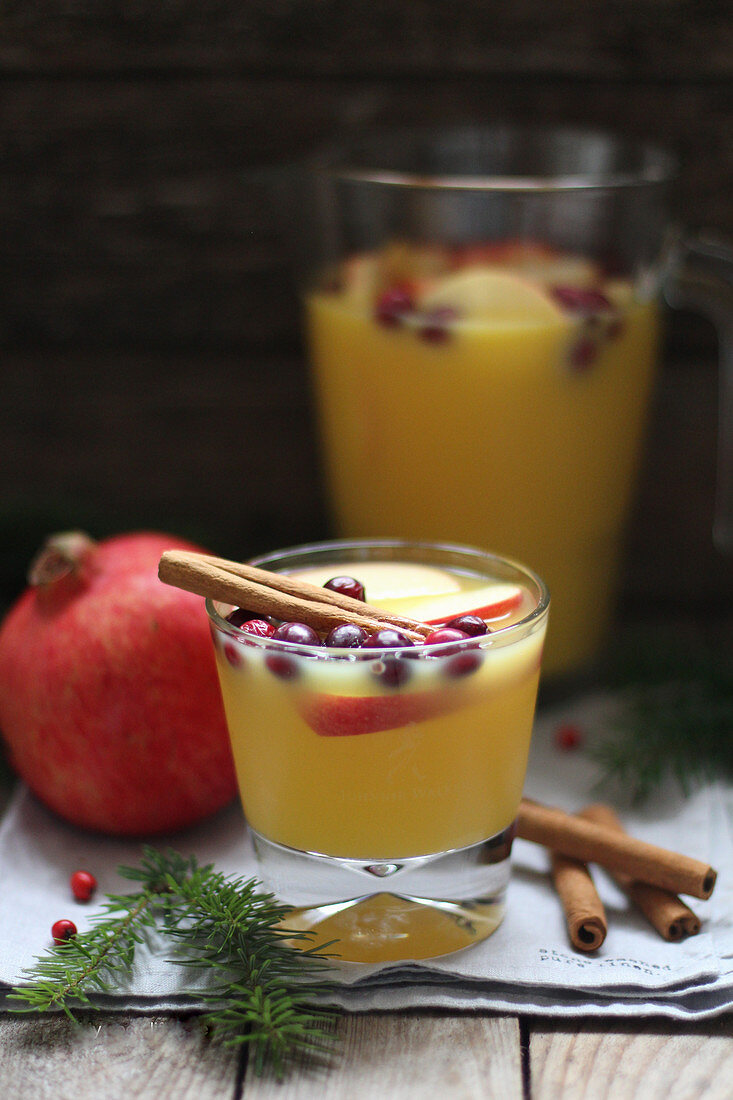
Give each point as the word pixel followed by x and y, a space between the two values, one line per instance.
pixel 380 775
pixel 531 366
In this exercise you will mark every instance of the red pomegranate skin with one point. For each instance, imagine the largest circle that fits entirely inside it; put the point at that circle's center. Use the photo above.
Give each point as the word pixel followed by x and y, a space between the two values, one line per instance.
pixel 109 698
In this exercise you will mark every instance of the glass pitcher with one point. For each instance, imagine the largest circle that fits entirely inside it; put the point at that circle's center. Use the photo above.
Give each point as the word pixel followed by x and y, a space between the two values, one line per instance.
pixel 483 312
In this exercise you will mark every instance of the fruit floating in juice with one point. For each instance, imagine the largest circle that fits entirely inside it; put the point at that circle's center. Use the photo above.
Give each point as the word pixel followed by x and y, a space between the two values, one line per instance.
pixel 370 747
pixel 497 392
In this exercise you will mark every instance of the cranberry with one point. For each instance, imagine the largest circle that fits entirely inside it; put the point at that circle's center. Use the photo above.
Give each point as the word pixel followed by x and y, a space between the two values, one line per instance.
pixel 83 884
pixel 435 325
pixel 472 625
pixel 568 737
pixel 297 633
pixel 387 638
pixel 582 354
pixel 346 636
pixel 233 654
pixel 285 668
pixel 239 616
pixel 62 931
pixel 393 671
pixel 461 661
pixel 393 305
pixel 446 634
pixel 347 586
pixel 464 663
pixel 581 299
pixel 260 627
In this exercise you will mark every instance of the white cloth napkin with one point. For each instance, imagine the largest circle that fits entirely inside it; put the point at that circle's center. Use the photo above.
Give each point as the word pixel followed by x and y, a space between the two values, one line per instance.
pixel 527 966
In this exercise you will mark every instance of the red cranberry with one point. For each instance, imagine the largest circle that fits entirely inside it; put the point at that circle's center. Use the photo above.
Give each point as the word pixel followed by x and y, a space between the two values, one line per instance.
pixel 285 668
pixel 260 627
pixel 297 633
pixel 568 737
pixel 464 663
pixel 347 586
pixel 436 323
pixel 62 931
pixel 346 636
pixel 83 884
pixel 239 615
pixel 233 654
pixel 393 671
pixel 393 305
pixel 472 625
pixel 387 638
pixel 446 634
pixel 583 354
pixel 581 299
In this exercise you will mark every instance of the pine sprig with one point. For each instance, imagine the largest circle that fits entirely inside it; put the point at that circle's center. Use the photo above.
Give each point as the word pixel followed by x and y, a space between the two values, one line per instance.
pixel 87 963
pixel 266 977
pixel 676 719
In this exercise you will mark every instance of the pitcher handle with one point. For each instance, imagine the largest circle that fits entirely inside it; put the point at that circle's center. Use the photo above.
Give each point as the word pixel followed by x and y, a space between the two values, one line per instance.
pixel 699 277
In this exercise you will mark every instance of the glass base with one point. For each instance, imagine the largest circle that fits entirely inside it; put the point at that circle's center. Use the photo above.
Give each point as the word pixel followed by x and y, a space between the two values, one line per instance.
pixel 384 911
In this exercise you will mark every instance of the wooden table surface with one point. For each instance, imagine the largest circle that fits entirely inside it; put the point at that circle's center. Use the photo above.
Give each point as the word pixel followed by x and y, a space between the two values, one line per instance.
pixel 385 1055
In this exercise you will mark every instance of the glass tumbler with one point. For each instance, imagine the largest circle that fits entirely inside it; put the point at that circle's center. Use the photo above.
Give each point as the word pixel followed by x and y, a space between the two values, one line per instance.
pixel 483 313
pixel 381 784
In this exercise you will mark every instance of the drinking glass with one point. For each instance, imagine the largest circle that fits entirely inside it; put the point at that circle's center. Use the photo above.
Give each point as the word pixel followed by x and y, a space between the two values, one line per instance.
pixel 483 314
pixel 381 785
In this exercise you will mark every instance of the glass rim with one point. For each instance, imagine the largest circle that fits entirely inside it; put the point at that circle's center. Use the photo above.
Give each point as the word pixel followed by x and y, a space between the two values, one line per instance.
pixel 526 623
pixel 656 165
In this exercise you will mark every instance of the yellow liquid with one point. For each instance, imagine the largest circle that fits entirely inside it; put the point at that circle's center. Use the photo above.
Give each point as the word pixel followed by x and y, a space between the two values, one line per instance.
pixel 446 773
pixel 489 439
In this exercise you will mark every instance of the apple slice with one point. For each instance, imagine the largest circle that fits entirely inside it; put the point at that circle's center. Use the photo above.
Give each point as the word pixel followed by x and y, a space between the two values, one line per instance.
pixel 361 280
pixel 351 715
pixel 492 602
pixel 485 293
pixel 566 269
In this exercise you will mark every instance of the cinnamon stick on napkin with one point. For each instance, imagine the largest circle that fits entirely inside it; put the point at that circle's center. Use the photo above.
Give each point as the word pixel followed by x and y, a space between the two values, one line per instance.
pixel 664 910
pixel 584 912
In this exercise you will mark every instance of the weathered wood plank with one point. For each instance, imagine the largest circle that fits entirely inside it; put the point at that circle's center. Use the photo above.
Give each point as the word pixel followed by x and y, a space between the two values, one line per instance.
pixel 406 1056
pixel 657 37
pixel 637 1060
pixel 133 1058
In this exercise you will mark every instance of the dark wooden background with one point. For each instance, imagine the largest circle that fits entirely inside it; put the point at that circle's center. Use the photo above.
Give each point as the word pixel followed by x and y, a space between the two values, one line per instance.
pixel 152 364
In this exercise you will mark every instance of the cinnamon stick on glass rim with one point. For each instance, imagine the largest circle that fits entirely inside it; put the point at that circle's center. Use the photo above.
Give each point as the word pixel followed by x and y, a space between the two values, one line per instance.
pixel 276 594
pixel 584 913
pixel 664 910
pixel 591 842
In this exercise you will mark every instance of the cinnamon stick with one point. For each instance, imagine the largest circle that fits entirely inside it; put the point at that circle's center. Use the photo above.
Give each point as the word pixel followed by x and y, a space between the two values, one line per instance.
pixel 664 910
pixel 593 843
pixel 293 586
pixel 584 913
pixel 217 579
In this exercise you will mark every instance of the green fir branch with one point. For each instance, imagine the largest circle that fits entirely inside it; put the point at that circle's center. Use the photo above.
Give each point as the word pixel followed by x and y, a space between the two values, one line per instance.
pixel 266 976
pixel 88 962
pixel 676 719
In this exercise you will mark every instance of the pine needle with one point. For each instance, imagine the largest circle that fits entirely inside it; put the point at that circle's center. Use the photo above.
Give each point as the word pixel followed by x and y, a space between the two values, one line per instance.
pixel 264 985
pixel 676 719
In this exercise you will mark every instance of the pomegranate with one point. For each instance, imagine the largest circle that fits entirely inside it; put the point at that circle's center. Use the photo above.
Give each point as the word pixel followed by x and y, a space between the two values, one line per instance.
pixel 109 698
